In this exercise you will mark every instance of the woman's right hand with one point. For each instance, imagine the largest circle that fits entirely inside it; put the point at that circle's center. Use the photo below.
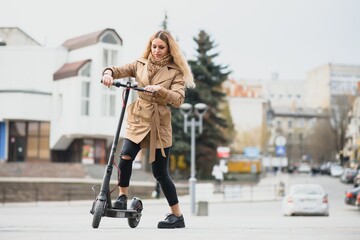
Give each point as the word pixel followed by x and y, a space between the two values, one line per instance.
pixel 107 79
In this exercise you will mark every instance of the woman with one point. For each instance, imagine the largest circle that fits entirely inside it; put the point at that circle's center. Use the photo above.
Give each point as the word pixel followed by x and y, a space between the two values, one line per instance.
pixel 163 71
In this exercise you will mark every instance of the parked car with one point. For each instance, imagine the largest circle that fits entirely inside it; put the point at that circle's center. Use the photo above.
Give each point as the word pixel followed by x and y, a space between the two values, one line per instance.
pixel 357 180
pixel 336 170
pixel 357 202
pixel 351 195
pixel 304 168
pixel 348 175
pixel 325 168
pixel 305 199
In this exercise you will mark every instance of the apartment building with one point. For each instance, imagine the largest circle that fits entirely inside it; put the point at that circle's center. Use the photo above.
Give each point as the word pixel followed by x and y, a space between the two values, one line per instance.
pixel 326 82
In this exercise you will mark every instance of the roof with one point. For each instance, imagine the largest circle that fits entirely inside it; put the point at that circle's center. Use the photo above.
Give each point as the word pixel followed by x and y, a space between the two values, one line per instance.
pixel 15 36
pixel 88 39
pixel 70 69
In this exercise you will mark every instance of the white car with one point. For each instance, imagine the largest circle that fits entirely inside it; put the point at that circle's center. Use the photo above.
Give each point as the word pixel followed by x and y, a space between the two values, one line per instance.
pixel 305 199
pixel 336 170
pixel 304 168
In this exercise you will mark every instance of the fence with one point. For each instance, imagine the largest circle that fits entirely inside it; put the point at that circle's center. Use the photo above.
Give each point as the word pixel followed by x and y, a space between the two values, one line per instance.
pixel 253 192
pixel 239 192
pixel 35 190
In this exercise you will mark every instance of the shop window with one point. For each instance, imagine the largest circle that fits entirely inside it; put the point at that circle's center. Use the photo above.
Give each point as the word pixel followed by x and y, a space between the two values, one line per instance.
pixel 93 151
pixel 88 151
pixel 29 141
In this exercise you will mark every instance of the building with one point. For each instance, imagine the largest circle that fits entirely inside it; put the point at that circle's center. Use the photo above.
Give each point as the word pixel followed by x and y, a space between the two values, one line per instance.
pixel 330 80
pixel 266 109
pixel 334 87
pixel 248 109
pixel 352 145
pixel 53 107
pixel 294 124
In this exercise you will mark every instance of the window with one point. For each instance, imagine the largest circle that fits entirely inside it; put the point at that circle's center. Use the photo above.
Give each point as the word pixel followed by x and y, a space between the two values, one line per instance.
pixel 31 143
pixel 38 140
pixel 88 151
pixel 18 129
pixel 85 98
pixel 289 124
pixel 301 137
pixel 109 57
pixel 32 140
pixel 108 102
pixel 85 71
pixel 301 122
pixel 44 140
pixel 110 38
pixel 93 151
pixel 289 137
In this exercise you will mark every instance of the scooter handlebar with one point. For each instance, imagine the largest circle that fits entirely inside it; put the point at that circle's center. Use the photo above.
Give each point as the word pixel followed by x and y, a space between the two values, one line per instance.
pixel 128 85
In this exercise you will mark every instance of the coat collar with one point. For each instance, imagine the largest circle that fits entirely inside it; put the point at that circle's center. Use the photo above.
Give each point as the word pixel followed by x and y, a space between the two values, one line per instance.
pixel 162 75
pixel 170 65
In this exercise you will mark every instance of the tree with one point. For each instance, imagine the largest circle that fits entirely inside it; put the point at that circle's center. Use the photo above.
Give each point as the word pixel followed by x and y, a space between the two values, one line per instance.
pixel 321 142
pixel 164 23
pixel 340 107
pixel 208 79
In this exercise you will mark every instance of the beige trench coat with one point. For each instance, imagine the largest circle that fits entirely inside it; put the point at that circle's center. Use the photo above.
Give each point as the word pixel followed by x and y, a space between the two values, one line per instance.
pixel 149 117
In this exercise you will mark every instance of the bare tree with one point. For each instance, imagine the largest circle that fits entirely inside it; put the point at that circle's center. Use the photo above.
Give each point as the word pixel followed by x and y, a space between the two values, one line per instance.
pixel 321 142
pixel 340 107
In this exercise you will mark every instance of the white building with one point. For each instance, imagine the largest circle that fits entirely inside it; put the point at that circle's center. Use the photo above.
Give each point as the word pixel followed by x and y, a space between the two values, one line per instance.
pixel 330 80
pixel 248 109
pixel 53 107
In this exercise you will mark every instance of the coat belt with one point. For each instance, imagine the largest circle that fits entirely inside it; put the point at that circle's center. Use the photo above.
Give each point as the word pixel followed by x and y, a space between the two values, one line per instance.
pixel 155 131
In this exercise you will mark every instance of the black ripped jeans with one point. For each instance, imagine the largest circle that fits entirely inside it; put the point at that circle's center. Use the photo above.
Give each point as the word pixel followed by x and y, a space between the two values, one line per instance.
pixel 160 169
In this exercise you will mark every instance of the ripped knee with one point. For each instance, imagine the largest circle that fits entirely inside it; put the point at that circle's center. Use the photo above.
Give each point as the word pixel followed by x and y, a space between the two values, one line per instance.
pixel 126 157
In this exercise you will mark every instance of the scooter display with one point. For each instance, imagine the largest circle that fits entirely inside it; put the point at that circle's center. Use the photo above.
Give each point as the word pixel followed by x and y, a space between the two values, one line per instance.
pixel 102 205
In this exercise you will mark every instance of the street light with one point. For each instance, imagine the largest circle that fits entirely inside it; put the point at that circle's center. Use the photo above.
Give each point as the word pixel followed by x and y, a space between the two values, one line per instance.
pixel 187 109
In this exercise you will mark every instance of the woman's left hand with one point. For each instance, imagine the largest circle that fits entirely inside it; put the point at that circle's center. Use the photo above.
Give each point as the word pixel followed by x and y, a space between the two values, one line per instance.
pixel 152 88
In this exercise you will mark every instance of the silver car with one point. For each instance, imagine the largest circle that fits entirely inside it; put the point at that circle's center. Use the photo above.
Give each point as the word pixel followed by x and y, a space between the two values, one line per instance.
pixel 306 199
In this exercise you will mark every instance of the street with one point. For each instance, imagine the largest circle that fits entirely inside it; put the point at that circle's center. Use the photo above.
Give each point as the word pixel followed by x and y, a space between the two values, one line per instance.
pixel 226 219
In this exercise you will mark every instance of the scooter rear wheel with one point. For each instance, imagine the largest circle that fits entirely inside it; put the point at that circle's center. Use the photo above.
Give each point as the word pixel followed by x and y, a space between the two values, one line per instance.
pixel 136 205
pixel 98 213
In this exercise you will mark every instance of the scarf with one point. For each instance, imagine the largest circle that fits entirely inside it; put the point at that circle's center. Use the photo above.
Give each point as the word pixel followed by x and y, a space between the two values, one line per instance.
pixel 154 65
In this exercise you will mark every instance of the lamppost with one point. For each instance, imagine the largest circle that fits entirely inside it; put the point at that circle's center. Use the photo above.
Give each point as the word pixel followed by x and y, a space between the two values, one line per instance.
pixel 187 109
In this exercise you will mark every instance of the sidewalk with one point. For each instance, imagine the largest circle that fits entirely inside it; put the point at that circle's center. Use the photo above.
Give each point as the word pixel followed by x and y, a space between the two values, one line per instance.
pixel 230 219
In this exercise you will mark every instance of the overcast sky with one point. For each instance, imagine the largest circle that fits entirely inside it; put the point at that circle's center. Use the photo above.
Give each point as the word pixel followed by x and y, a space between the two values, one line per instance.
pixel 254 37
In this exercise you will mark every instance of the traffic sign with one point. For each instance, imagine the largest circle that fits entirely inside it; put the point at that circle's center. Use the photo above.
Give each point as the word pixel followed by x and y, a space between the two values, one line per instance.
pixel 280 151
pixel 280 141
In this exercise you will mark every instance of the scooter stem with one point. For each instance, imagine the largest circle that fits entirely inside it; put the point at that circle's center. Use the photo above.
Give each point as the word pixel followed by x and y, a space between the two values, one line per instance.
pixel 105 187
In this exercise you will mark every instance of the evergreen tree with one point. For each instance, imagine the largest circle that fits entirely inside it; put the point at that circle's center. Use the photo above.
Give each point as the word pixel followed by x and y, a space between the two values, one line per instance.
pixel 208 78
pixel 164 23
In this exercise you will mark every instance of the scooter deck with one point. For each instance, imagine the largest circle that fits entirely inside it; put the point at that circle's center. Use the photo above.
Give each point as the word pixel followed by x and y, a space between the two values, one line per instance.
pixel 119 213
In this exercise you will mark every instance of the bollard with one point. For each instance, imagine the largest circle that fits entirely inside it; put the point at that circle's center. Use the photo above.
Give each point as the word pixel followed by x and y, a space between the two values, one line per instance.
pixel 202 208
pixel 281 189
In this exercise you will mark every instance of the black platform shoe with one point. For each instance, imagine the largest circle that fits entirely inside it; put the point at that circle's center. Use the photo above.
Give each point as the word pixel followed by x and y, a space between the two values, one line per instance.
pixel 121 202
pixel 172 221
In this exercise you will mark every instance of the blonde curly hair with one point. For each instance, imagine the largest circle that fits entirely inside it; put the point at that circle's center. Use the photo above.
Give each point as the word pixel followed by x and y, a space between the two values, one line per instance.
pixel 175 52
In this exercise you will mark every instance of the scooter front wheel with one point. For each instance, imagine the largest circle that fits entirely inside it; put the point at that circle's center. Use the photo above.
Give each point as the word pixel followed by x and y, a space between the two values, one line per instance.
pixel 98 213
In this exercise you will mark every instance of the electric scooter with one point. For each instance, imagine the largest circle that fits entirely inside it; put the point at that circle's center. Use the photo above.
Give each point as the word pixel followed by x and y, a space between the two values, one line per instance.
pixel 102 205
